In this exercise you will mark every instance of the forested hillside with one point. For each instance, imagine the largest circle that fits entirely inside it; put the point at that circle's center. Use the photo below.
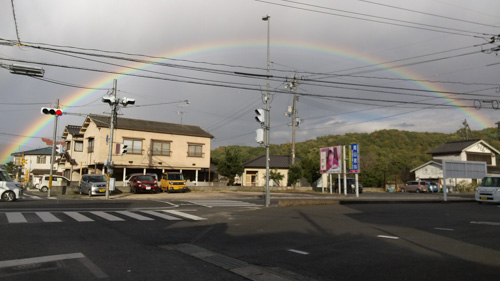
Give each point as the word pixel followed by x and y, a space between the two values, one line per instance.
pixel 384 154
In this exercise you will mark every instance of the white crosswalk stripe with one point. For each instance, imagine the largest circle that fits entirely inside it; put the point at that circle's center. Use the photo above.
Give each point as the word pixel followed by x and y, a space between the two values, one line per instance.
pixel 47 217
pixel 16 218
pixel 223 203
pixel 107 216
pixel 92 216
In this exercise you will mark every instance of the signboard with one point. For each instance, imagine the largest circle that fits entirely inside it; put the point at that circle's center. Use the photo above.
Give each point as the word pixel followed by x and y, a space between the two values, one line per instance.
pixel 353 166
pixel 330 160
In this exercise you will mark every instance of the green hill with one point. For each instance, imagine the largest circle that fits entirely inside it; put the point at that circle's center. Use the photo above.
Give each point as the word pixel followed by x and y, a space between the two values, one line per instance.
pixel 384 155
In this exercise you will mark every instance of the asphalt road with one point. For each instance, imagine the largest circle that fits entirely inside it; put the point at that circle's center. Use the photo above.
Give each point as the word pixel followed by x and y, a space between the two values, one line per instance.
pixel 227 237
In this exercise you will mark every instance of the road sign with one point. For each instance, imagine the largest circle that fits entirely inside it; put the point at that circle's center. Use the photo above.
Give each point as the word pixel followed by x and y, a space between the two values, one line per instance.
pixel 353 166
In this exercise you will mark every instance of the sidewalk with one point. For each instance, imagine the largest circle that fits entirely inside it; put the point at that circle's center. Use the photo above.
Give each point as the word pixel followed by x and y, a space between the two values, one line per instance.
pixel 289 197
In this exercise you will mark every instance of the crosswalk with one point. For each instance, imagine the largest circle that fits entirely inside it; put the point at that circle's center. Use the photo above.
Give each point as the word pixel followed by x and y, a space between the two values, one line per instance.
pixel 92 216
pixel 210 203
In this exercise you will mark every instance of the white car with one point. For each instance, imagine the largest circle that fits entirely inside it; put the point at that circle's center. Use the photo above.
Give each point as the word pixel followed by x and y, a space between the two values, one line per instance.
pixel 9 190
pixel 489 190
pixel 43 185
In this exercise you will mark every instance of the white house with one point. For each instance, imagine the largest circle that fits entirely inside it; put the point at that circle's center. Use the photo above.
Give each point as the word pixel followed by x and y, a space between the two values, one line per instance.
pixel 467 150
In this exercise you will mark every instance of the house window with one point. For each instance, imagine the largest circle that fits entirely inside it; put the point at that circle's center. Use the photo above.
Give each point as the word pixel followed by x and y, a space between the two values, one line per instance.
pixel 195 150
pixel 91 145
pixel 79 146
pixel 134 146
pixel 479 157
pixel 161 148
pixel 41 159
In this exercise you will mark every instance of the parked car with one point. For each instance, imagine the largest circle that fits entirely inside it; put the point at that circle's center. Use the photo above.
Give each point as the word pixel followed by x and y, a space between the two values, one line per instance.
pixel 173 182
pixel 415 186
pixel 433 187
pixel 141 183
pixel 351 185
pixel 9 190
pixel 127 179
pixel 93 185
pixel 36 181
pixel 43 186
pixel 489 190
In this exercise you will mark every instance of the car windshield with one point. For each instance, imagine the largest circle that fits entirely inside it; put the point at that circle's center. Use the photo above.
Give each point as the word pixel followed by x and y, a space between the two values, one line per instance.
pixel 145 178
pixel 4 176
pixel 97 178
pixel 175 177
pixel 490 182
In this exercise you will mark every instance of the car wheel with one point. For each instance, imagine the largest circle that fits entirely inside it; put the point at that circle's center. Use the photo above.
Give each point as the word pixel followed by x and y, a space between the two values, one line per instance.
pixel 134 190
pixel 44 189
pixel 90 192
pixel 80 190
pixel 8 196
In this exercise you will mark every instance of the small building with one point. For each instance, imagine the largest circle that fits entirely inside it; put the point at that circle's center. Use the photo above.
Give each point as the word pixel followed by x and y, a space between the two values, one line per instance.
pixel 467 150
pixel 254 173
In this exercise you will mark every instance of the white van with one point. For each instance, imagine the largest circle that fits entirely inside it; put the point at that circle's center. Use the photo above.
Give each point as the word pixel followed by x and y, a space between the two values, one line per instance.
pixel 43 186
pixel 9 190
pixel 489 190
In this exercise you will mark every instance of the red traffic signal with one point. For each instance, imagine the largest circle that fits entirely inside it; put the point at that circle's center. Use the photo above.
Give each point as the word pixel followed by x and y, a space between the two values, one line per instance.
pixel 51 111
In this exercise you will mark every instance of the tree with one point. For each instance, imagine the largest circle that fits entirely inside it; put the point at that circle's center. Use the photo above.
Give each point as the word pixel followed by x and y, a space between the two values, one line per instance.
pixel 10 167
pixel 231 164
pixel 294 174
pixel 276 176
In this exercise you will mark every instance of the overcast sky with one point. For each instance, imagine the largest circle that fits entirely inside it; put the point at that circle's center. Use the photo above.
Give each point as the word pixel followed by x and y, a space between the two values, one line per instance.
pixel 361 65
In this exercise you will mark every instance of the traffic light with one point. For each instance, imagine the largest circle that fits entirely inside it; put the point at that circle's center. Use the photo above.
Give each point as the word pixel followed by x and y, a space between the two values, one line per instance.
pixel 259 135
pixel 123 148
pixel 51 111
pixel 127 101
pixel 60 149
pixel 261 115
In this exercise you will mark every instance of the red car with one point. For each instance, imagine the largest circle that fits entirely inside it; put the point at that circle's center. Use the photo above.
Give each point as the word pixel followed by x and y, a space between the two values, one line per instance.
pixel 141 183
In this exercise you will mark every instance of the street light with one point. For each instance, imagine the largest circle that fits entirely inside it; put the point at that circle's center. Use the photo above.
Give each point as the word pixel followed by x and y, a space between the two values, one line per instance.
pixel 268 111
pixel 26 70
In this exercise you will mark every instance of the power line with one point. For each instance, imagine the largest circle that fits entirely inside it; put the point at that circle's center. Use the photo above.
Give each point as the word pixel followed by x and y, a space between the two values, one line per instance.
pixel 415 25
pixel 429 14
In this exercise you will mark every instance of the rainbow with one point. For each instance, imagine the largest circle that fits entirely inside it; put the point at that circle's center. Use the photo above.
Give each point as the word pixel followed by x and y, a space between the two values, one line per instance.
pixel 106 81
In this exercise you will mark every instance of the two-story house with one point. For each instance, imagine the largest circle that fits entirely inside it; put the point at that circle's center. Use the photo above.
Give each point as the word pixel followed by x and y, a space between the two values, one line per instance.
pixel 152 147
pixel 467 150
pixel 37 161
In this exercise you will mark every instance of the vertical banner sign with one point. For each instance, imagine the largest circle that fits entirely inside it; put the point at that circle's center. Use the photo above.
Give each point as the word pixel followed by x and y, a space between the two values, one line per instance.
pixel 330 160
pixel 353 166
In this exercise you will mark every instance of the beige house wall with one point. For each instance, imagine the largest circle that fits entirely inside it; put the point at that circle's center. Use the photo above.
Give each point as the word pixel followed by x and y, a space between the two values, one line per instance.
pixel 261 177
pixel 93 159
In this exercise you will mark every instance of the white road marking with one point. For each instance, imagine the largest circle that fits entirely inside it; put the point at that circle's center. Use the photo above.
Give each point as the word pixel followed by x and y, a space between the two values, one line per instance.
pixel 107 216
pixel 184 215
pixel 135 216
pixel 388 237
pixel 160 215
pixel 78 217
pixel 47 217
pixel 298 252
pixel 222 203
pixel 18 262
pixel 445 229
pixel 16 218
pixel 485 222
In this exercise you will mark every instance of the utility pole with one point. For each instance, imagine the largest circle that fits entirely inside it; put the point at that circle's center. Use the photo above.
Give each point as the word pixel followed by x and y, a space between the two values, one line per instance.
pixel 268 111
pixel 111 131
pixel 295 121
pixel 52 155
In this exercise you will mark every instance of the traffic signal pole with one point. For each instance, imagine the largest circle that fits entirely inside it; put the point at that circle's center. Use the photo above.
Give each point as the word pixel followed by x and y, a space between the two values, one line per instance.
pixel 52 156
pixel 111 129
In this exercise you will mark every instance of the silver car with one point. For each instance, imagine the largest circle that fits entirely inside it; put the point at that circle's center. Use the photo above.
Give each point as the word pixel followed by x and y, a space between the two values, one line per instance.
pixel 9 190
pixel 93 185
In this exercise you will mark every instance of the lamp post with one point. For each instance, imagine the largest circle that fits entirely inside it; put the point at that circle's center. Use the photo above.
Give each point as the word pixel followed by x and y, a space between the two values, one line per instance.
pixel 268 111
